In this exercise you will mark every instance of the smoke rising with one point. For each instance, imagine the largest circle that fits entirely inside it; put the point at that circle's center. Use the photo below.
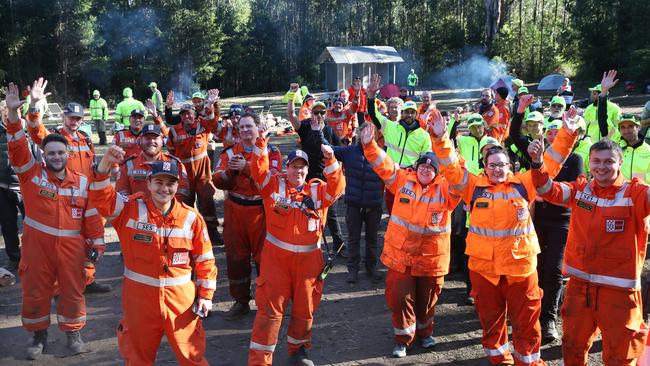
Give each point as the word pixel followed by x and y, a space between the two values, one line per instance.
pixel 476 71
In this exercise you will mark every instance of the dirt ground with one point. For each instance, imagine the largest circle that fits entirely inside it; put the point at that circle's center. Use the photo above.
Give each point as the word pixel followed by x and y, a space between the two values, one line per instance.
pixel 352 325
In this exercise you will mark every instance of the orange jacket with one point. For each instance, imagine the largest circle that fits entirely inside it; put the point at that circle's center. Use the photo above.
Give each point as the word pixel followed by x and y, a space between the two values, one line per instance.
pixel 304 113
pixel 419 229
pixel 422 109
pixel 502 129
pixel 501 238
pixel 132 176
pixel 607 234
pixel 288 225
pixel 491 117
pixel 191 146
pixel 363 99
pixel 128 140
pixel 163 251
pixel 227 135
pixel 54 207
pixel 239 186
pixel 80 146
pixel 343 123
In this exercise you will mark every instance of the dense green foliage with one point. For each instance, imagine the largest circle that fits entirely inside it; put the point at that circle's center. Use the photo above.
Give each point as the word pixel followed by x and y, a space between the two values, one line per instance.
pixel 247 46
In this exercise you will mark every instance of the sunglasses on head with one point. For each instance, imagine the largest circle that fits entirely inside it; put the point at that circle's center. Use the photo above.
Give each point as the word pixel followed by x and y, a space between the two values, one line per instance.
pixel 318 112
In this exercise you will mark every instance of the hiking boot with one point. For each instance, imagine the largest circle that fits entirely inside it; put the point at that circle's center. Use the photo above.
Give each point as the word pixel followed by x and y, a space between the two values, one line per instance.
pixel 38 345
pixel 98 288
pixel 75 344
pixel 428 342
pixel 469 300
pixel 549 331
pixel 237 311
pixel 353 277
pixel 300 358
pixel 12 265
pixel 374 274
pixel 399 351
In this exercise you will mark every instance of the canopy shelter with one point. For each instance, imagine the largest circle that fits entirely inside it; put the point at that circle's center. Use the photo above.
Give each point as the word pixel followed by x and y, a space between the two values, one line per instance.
pixel 340 65
pixel 551 82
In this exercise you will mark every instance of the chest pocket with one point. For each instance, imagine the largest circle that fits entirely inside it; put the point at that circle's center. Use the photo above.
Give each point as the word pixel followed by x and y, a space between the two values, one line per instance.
pixel 614 221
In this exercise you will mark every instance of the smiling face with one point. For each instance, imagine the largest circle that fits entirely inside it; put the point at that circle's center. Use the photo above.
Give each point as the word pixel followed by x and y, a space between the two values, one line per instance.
pixel 72 123
pixel 137 123
pixel 187 118
pixel 604 166
pixel 151 144
pixel 629 131
pixel 338 107
pixel 425 173
pixel 297 172
pixel 486 96
pixel 497 167
pixel 409 115
pixel 535 129
pixel 393 110
pixel 162 189
pixel 56 156
pixel 248 130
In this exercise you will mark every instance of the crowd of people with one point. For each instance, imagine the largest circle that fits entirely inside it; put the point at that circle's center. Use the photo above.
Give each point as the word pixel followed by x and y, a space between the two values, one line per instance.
pixel 538 208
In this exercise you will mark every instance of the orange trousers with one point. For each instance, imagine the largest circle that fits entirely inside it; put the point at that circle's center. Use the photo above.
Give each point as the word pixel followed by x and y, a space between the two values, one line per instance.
pixel 589 310
pixel 244 229
pixel 47 259
pixel 412 301
pixel 150 312
pixel 290 276
pixel 520 302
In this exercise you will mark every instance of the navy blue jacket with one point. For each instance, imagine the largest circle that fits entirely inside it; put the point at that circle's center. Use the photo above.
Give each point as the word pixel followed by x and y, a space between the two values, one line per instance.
pixel 363 187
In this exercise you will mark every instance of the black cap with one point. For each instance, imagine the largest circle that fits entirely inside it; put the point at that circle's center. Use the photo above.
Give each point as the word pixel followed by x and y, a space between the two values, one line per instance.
pixel 164 168
pixel 137 112
pixel 153 129
pixel 297 154
pixel 428 158
pixel 73 110
pixel 187 107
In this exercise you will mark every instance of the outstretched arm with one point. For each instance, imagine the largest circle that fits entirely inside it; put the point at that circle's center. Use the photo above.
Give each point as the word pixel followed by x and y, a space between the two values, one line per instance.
pixel 381 163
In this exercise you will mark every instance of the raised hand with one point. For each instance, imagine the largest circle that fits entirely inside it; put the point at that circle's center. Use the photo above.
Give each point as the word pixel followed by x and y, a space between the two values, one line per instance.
pixel 37 92
pixel 293 87
pixel 13 98
pixel 373 86
pixel 536 150
pixel 328 152
pixel 263 129
pixel 170 99
pixel 114 155
pixel 524 102
pixel 437 126
pixel 609 81
pixel 213 96
pixel 569 120
pixel 367 133
pixel 151 108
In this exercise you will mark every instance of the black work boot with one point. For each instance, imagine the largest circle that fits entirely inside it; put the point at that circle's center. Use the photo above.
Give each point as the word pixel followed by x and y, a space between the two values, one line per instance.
pixel 97 288
pixel 549 331
pixel 38 345
pixel 300 358
pixel 374 274
pixel 75 344
pixel 237 311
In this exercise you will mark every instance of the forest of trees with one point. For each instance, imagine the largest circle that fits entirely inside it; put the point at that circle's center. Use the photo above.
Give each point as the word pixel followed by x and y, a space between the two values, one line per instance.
pixel 252 46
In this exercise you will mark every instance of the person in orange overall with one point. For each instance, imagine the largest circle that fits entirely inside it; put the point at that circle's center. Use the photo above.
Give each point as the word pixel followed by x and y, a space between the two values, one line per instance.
pixel 132 176
pixel 490 112
pixel 501 243
pixel 81 153
pixel 244 227
pixel 342 118
pixel 295 211
pixel 59 226
pixel 228 130
pixel 604 255
pixel 417 242
pixel 169 268
pixel 501 130
pixel 305 110
pixel 426 110
pixel 353 90
pixel 128 139
pixel 188 141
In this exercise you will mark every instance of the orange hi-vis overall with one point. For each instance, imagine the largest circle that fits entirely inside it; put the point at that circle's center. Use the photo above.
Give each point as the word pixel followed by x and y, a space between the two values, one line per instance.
pixel 191 147
pixel 128 140
pixel 168 263
pixel 133 173
pixel 58 225
pixel 81 156
pixel 292 247
pixel 345 122
pixel 603 259
pixel 491 117
pixel 244 226
pixel 501 129
pixel 502 247
pixel 228 135
pixel 416 245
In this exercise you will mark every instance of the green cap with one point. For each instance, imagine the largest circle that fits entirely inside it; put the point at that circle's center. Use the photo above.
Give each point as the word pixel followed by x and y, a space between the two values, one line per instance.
pixel 153 84
pixel 318 104
pixel 488 140
pixel 558 100
pixel 475 119
pixel 535 117
pixel 629 117
pixel 554 125
pixel 518 82
pixel 410 105
pixel 198 94
pixel 522 90
pixel 127 92
pixel 598 88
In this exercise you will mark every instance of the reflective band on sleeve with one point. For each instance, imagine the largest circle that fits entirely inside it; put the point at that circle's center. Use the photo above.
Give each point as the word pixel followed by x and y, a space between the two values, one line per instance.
pixel 99 185
pixel 195 158
pixel 452 158
pixel 157 282
pixel 555 155
pixel 119 205
pixel 406 331
pixel 545 188
pixel 566 192
pixel 261 347
pixel 494 352
pixel 97 241
pixel 463 182
pixel 292 340
pixel 527 358
pixel 207 284
pixel 91 212
pixel 50 230
pixel 392 178
pixel 266 181
pixel 380 159
pixel 16 136
pixel 331 168
pixel 314 195
pixel 63 319
pixel 419 229
pixel 45 318
pixel 601 279
pixel 23 168
pixel 501 233
pixel 291 247
pixel 204 257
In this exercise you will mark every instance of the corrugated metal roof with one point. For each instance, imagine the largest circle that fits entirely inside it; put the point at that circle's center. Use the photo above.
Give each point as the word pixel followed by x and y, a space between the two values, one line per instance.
pixel 360 55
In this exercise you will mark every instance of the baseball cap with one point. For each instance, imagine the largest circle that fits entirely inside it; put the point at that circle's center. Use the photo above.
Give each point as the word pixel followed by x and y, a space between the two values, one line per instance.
pixel 73 109
pixel 153 85
pixel 488 140
pixel 558 100
pixel 598 88
pixel 410 105
pixel 198 95
pixel 522 90
pixel 518 82
pixel 187 107
pixel 137 112
pixel 297 154
pixel 554 125
pixel 428 158
pixel 153 129
pixel 318 105
pixel 535 116
pixel 475 119
pixel 629 117
pixel 164 168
